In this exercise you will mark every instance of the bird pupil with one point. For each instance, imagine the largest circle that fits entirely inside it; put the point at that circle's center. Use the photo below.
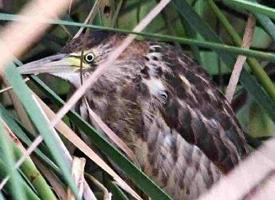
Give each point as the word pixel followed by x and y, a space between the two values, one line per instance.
pixel 89 58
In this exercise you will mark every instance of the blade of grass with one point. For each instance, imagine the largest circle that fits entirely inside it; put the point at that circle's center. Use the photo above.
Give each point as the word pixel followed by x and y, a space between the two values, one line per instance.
pixel 238 67
pixel 100 186
pixel 29 170
pixel 252 7
pixel 16 128
pixel 52 178
pixel 90 17
pixel 117 193
pixel 265 22
pixel 78 165
pixel 1 196
pixel 248 81
pixel 30 194
pixel 192 34
pixel 8 157
pixel 21 113
pixel 41 123
pixel 116 13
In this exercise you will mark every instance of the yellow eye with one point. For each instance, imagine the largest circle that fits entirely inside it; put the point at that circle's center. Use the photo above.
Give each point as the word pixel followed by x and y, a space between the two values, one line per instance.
pixel 89 58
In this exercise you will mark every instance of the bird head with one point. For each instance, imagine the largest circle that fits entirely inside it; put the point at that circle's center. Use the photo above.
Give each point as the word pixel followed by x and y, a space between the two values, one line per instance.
pixel 84 54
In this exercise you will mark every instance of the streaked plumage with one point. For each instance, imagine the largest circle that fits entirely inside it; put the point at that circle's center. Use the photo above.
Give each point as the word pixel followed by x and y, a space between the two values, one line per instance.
pixel 164 107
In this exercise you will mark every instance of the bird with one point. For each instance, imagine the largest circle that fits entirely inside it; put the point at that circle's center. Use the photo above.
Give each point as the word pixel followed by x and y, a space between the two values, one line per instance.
pixel 161 103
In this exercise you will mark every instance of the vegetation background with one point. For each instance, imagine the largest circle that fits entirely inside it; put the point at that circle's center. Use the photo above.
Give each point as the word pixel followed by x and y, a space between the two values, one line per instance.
pixel 198 20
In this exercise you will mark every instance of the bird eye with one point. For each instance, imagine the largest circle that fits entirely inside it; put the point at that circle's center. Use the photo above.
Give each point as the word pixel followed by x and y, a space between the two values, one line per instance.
pixel 89 58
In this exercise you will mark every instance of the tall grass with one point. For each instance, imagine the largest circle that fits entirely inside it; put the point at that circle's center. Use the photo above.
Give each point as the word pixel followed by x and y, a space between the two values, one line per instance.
pixel 209 31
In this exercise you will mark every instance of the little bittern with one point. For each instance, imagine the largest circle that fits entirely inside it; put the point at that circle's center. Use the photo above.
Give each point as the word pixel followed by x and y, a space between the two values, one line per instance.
pixel 181 129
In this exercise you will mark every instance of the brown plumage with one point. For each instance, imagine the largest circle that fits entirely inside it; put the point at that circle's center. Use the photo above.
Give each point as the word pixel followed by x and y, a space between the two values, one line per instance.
pixel 165 108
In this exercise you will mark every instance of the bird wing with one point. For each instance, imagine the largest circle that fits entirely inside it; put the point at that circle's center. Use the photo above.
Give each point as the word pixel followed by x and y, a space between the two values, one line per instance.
pixel 192 105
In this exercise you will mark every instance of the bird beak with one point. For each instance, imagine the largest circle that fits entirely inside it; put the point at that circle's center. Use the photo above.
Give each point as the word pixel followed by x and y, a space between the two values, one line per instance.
pixel 60 63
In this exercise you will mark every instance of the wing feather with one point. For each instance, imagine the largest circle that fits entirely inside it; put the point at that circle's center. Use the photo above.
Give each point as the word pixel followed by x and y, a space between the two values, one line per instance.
pixel 197 110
